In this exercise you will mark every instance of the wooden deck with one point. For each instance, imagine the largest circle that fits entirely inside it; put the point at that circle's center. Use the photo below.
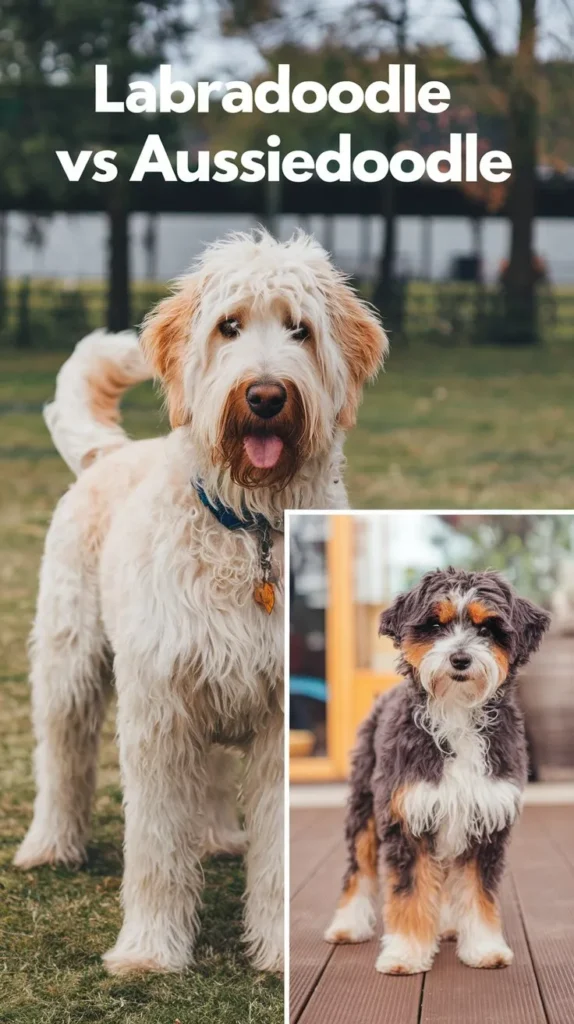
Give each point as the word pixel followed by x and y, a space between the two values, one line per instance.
pixel 339 985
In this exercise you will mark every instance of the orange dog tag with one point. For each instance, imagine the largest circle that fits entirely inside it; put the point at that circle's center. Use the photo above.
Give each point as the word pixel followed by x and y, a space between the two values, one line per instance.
pixel 264 595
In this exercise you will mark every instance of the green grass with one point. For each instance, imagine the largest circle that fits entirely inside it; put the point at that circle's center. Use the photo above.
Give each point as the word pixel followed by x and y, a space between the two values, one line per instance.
pixel 55 924
pixel 470 427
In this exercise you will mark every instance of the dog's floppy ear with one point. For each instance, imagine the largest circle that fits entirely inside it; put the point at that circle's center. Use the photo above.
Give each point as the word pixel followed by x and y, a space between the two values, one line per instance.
pixel 530 624
pixel 363 341
pixel 392 617
pixel 165 334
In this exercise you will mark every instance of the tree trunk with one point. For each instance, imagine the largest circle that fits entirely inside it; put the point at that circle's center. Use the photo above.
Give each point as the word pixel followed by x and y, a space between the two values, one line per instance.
pixel 119 313
pixel 384 297
pixel 520 326
pixel 119 316
pixel 3 265
pixel 520 320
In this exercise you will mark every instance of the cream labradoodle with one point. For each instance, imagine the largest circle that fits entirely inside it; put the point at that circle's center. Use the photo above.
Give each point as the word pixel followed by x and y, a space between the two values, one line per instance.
pixel 161 568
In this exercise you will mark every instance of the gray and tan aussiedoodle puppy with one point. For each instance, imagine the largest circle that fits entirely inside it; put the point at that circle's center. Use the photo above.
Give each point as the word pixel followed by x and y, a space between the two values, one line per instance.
pixel 438 773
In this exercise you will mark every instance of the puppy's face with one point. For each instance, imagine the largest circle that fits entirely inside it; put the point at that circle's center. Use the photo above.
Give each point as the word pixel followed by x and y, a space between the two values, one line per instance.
pixel 263 351
pixel 461 634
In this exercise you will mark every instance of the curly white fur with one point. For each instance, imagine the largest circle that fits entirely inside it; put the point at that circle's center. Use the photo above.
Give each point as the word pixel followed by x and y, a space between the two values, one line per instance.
pixel 467 801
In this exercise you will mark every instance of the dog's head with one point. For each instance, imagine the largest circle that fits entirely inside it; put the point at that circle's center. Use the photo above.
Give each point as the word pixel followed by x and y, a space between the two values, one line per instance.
pixel 263 351
pixel 462 634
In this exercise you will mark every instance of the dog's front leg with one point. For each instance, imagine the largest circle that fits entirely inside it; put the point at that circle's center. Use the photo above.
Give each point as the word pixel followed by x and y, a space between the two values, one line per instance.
pixel 412 906
pixel 263 797
pixel 473 883
pixel 164 778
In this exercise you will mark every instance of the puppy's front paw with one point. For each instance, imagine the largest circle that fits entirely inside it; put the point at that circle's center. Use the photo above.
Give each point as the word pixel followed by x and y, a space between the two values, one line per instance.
pixel 486 954
pixel 399 955
pixel 353 922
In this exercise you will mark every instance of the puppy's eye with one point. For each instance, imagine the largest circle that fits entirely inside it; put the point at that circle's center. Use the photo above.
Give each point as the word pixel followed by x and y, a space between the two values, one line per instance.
pixel 230 327
pixel 484 630
pixel 300 332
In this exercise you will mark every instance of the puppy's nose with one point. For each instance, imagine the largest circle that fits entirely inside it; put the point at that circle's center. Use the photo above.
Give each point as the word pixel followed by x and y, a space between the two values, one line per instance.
pixel 460 661
pixel 266 400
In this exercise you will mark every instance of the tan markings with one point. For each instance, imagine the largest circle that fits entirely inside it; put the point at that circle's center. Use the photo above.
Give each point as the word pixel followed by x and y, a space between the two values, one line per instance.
pixel 445 611
pixel 397 806
pixel 493 961
pixel 415 913
pixel 414 651
pixel 366 850
pixel 362 341
pixel 164 339
pixel 105 384
pixel 479 612
pixel 501 659
pixel 474 895
pixel 366 854
pixel 95 453
pixel 350 890
pixel 135 966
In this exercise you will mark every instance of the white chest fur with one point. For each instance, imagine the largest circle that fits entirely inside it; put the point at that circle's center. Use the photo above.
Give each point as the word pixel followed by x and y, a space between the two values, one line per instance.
pixel 466 803
pixel 178 602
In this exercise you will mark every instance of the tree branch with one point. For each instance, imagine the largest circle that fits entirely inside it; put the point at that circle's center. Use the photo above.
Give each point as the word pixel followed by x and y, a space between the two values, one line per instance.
pixel 483 36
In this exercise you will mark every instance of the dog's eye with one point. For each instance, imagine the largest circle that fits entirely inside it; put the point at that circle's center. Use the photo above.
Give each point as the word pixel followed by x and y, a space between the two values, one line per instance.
pixel 484 630
pixel 300 332
pixel 230 327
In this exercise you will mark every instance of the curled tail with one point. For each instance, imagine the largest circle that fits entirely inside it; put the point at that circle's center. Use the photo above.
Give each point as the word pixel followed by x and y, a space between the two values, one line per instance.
pixel 84 418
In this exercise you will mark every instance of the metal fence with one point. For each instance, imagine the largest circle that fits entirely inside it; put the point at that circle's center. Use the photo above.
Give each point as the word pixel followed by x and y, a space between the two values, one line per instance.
pixel 50 315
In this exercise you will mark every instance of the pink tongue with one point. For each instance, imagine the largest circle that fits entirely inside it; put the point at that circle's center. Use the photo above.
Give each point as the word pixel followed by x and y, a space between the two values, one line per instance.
pixel 263 452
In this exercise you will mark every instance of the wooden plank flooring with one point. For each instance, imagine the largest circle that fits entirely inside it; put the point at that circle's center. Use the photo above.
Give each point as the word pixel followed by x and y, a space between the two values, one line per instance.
pixel 339 985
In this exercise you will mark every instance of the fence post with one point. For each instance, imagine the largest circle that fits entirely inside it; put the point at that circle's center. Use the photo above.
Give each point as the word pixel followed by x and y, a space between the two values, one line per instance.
pixel 23 337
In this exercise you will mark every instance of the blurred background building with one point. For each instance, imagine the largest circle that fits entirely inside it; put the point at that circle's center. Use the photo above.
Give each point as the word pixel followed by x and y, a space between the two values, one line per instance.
pixel 472 262
pixel 345 569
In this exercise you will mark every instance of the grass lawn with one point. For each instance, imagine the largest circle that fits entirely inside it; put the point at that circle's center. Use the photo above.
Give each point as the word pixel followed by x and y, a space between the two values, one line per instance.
pixel 474 428
pixel 54 924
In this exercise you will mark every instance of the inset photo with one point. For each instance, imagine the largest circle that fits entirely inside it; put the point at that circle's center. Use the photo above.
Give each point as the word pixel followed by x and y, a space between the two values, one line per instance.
pixel 431 767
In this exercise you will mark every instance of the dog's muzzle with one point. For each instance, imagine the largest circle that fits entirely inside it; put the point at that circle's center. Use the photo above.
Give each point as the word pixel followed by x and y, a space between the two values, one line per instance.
pixel 262 436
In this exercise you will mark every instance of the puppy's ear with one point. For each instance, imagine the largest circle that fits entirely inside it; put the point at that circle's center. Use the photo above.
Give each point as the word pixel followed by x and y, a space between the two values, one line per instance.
pixel 530 624
pixel 392 618
pixel 363 341
pixel 165 335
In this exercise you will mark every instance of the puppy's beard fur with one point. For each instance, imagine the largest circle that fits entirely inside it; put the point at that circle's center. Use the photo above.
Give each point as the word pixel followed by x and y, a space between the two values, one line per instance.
pixel 238 422
pixel 480 683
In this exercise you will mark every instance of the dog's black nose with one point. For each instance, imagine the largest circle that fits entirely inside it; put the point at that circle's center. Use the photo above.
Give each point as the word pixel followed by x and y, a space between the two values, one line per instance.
pixel 266 400
pixel 460 661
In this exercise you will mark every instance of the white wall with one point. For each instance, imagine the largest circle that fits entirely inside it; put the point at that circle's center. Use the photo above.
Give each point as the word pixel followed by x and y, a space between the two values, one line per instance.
pixel 75 246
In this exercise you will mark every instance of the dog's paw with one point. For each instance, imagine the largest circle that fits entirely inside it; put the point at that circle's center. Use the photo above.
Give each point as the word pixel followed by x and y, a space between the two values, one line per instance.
pixel 231 843
pixel 487 955
pixel 266 950
pixel 118 961
pixel 271 961
pixel 36 852
pixel 399 956
pixel 353 922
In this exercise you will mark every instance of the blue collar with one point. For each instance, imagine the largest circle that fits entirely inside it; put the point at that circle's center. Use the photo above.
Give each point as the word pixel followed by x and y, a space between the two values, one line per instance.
pixel 228 518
